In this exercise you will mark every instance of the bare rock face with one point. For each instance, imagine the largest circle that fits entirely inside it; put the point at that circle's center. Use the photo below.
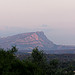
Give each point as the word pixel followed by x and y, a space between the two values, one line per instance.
pixel 28 41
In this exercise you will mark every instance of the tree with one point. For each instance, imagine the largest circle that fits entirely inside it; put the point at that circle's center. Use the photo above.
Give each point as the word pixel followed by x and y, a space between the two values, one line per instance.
pixel 13 50
pixel 38 57
pixel 10 65
pixel 6 59
pixel 70 70
pixel 54 68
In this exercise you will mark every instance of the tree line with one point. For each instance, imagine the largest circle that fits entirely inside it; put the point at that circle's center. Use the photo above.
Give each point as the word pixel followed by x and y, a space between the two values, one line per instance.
pixel 36 64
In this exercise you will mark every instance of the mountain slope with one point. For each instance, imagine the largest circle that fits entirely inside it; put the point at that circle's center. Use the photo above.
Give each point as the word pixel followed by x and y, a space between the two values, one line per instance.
pixel 28 41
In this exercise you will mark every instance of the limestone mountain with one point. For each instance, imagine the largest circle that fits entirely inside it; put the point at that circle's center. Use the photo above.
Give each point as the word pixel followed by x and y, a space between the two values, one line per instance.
pixel 28 41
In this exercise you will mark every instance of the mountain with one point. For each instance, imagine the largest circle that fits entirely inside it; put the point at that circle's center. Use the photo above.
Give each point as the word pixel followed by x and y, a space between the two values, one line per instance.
pixel 28 41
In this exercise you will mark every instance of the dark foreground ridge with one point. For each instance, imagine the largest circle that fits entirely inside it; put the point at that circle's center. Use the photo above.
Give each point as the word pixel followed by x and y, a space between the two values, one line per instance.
pixel 28 41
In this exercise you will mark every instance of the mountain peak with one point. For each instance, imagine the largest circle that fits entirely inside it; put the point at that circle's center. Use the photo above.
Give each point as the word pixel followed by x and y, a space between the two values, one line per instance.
pixel 28 41
pixel 41 32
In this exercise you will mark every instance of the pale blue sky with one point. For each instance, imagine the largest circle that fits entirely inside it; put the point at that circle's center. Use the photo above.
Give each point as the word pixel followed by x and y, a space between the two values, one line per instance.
pixel 55 17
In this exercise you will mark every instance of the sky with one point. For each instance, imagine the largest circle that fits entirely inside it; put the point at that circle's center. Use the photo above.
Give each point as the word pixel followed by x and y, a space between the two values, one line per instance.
pixel 56 18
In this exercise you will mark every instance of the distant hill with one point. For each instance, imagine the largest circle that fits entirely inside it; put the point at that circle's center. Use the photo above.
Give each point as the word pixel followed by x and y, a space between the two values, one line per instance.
pixel 28 41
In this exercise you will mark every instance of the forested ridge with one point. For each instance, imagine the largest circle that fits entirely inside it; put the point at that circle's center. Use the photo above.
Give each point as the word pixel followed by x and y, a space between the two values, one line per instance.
pixel 35 64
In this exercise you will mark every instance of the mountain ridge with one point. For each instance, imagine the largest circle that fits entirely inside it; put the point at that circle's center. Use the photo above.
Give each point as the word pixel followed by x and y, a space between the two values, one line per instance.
pixel 28 41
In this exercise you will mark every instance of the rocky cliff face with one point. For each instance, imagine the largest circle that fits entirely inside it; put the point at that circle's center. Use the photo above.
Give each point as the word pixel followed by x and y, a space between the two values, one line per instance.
pixel 28 41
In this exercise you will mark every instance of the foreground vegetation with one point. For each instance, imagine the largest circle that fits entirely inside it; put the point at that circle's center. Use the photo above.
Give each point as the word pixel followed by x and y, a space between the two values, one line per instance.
pixel 36 64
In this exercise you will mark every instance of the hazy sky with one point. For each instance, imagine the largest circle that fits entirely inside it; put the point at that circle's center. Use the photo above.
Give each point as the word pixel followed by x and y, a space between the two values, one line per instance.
pixel 55 17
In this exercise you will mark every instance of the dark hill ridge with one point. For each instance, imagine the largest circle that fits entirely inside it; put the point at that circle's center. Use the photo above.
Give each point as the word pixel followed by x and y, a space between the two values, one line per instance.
pixel 28 41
